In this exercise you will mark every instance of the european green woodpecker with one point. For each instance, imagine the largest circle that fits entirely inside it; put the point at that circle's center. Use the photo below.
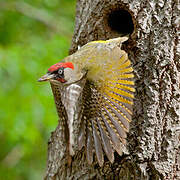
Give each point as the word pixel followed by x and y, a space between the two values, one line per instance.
pixel 94 88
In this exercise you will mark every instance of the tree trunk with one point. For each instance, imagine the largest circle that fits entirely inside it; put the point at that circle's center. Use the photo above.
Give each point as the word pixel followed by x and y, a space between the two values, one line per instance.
pixel 154 138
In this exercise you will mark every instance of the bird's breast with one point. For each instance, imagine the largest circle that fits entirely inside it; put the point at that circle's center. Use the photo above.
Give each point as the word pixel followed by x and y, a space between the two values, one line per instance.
pixel 71 98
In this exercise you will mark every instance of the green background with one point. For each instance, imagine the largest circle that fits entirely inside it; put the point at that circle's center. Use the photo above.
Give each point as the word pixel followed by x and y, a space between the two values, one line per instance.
pixel 34 34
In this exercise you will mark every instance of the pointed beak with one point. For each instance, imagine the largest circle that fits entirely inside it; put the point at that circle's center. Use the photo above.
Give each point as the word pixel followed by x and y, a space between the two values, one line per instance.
pixel 46 77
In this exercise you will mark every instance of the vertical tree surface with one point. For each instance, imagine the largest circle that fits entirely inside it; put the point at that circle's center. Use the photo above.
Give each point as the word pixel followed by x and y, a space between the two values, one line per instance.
pixel 154 138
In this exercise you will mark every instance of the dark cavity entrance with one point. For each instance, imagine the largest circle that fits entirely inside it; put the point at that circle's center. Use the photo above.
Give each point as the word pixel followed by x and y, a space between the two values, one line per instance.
pixel 121 22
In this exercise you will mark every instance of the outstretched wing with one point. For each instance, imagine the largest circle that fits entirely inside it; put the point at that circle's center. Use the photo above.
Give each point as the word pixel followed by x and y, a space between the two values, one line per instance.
pixel 107 111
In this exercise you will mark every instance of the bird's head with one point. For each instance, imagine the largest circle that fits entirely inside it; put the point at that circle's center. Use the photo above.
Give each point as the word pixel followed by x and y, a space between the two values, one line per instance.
pixel 63 72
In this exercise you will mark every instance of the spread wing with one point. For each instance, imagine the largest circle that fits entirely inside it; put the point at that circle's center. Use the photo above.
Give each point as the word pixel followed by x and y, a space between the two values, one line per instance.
pixel 107 112
pixel 107 98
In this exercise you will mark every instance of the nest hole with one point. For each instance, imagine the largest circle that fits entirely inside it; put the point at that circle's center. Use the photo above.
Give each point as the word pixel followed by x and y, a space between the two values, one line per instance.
pixel 121 22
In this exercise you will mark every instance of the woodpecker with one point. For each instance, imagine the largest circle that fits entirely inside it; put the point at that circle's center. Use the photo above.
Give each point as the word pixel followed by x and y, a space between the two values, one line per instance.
pixel 94 88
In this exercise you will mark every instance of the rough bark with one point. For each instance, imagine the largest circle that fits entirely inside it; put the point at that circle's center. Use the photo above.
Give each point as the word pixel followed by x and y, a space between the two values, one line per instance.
pixel 154 138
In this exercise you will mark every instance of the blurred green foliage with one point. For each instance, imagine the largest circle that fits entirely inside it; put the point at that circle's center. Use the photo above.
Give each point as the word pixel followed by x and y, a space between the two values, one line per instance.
pixel 34 34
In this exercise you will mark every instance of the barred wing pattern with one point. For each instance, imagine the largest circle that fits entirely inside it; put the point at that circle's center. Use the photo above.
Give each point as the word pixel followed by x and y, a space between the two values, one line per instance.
pixel 107 112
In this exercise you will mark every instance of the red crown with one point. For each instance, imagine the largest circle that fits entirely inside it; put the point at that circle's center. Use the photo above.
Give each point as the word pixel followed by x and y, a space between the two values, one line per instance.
pixel 55 67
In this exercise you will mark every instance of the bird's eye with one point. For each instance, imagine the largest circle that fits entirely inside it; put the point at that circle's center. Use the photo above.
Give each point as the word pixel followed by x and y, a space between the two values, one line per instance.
pixel 60 71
